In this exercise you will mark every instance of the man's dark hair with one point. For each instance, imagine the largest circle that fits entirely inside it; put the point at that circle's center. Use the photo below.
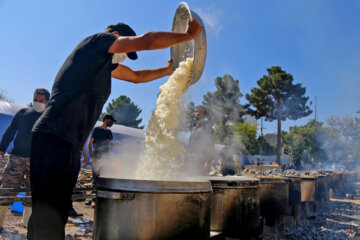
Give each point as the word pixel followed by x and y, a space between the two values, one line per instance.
pixel 42 91
pixel 110 117
pixel 122 28
pixel 202 108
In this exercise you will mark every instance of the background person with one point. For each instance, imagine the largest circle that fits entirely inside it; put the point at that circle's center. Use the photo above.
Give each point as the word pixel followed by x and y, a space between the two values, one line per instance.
pixel 18 165
pixel 201 147
pixel 100 143
pixel 229 158
pixel 81 88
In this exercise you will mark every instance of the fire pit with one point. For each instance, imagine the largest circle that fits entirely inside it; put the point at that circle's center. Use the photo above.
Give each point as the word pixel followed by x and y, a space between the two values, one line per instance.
pixel 146 209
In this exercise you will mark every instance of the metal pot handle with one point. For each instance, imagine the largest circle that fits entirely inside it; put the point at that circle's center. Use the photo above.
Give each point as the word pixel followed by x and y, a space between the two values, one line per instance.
pixel 115 195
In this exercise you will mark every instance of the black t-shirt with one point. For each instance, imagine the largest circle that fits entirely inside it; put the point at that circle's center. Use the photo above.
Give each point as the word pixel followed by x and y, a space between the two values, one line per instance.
pixel 81 88
pixel 102 140
pixel 21 126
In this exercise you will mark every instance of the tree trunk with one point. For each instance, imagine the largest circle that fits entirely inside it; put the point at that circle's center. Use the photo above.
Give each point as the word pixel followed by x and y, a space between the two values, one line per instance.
pixel 278 137
pixel 223 130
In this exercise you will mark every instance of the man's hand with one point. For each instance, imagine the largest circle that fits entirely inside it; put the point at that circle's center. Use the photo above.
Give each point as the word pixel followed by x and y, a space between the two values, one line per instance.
pixel 169 67
pixel 91 160
pixel 194 28
pixel 2 154
pixel 84 162
pixel 113 144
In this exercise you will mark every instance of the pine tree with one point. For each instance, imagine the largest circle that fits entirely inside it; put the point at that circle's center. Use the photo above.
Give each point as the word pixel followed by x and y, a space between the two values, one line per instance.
pixel 277 98
pixel 125 112
pixel 223 105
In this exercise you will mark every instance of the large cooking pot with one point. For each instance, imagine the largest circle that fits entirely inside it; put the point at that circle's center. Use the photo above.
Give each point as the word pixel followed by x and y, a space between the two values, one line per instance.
pixel 274 199
pixel 294 200
pixel 308 188
pixel 235 207
pixel 322 189
pixel 195 49
pixel 145 209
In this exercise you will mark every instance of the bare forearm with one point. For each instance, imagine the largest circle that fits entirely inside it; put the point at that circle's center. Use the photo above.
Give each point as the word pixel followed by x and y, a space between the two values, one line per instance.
pixel 160 40
pixel 90 150
pixel 141 76
pixel 149 75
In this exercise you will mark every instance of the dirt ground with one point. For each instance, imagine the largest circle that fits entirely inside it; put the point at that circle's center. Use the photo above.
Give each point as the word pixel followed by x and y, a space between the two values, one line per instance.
pixel 79 228
pixel 338 220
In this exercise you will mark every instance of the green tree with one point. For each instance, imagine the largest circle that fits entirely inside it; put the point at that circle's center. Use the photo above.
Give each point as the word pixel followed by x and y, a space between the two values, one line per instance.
pixel 295 145
pixel 245 138
pixel 223 104
pixel 356 145
pixel 306 142
pixel 266 148
pixel 343 137
pixel 187 117
pixel 277 98
pixel 221 131
pixel 4 95
pixel 125 112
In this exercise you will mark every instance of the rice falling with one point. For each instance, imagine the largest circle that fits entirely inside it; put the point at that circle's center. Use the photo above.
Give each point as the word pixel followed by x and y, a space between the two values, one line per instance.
pixel 163 157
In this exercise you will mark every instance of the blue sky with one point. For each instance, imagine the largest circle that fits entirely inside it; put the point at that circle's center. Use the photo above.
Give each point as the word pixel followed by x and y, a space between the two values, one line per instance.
pixel 318 42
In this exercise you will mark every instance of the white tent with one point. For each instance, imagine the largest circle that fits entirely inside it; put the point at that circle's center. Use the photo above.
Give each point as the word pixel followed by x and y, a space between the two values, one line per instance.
pixel 9 108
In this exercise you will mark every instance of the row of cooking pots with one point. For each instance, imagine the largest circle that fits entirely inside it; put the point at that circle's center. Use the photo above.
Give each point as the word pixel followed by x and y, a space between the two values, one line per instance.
pixel 235 206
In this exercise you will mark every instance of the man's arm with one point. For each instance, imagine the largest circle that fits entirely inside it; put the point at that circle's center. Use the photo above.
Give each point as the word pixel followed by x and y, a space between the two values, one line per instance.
pixel 84 159
pixel 9 134
pixel 125 73
pixel 221 163
pixel 113 144
pixel 155 40
pixel 89 145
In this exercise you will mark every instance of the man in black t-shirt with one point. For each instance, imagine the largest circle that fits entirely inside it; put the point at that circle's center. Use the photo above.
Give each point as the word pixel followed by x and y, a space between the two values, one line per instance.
pixel 18 164
pixel 201 147
pixel 81 88
pixel 100 143
pixel 229 158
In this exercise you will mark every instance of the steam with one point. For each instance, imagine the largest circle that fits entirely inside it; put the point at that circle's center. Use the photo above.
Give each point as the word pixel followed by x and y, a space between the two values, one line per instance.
pixel 121 161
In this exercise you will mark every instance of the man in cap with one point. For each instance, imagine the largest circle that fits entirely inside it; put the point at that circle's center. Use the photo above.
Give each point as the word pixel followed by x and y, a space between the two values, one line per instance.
pixel 201 148
pixel 229 159
pixel 100 143
pixel 18 164
pixel 81 88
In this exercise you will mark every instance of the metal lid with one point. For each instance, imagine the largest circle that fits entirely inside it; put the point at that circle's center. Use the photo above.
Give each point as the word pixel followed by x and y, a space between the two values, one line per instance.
pixel 308 178
pixel 234 181
pixel 136 185
pixel 294 178
pixel 195 49
pixel 271 179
